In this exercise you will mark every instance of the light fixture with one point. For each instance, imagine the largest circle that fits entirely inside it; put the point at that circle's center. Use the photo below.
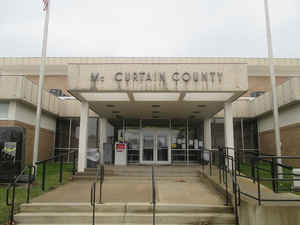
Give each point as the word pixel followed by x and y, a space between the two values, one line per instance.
pixel 111 106
pixel 155 106
pixel 196 112
pixel 156 96
pixel 105 96
pixel 207 96
pixel 155 112
pixel 201 106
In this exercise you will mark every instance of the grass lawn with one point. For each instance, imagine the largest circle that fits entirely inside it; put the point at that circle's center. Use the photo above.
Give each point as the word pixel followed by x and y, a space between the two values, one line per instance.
pixel 283 186
pixel 52 181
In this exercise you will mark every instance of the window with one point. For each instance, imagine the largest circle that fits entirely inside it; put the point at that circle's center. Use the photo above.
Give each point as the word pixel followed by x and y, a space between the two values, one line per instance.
pixel 257 94
pixel 4 110
pixel 56 92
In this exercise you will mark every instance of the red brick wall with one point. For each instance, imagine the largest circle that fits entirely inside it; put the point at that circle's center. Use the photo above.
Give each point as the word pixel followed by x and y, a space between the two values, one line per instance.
pixel 290 142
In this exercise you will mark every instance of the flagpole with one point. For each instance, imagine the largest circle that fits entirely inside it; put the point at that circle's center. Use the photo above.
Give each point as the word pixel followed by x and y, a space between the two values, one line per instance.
pixel 273 86
pixel 41 85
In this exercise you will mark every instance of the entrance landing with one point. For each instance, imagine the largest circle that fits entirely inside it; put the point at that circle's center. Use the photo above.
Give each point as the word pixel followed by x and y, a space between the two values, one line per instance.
pixel 169 191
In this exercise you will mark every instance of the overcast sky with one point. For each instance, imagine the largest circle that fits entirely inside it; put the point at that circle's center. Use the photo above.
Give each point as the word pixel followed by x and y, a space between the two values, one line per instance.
pixel 196 28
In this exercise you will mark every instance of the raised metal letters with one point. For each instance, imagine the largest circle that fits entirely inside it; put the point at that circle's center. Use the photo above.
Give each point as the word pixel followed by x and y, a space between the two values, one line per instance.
pixel 161 76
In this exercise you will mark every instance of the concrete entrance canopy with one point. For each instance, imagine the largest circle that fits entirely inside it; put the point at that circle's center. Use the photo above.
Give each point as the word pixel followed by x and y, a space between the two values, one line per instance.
pixel 181 90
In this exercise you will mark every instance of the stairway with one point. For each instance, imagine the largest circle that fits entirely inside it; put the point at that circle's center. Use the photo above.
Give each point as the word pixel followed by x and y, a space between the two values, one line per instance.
pixel 123 213
pixel 143 173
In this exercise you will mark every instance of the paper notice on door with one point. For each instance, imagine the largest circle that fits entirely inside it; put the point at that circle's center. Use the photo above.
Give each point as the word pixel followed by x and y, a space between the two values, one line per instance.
pixel 173 140
pixel 200 143
pixel 196 142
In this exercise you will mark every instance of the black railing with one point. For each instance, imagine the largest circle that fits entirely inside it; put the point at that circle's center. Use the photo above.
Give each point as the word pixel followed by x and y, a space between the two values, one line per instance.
pixel 61 159
pixel 153 196
pixel 29 178
pixel 93 200
pixel 99 177
pixel 22 176
pixel 275 178
pixel 225 165
pixel 261 169
pixel 101 173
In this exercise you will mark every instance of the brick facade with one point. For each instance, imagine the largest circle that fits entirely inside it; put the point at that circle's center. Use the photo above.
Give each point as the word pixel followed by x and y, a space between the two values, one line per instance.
pixel 262 83
pixel 290 136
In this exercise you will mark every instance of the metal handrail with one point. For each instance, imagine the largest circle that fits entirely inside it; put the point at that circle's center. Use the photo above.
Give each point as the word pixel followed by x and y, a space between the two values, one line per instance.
pixel 61 160
pixel 226 165
pixel 31 177
pixel 11 204
pixel 93 195
pixel 93 200
pixel 101 174
pixel 99 177
pixel 256 175
pixel 153 196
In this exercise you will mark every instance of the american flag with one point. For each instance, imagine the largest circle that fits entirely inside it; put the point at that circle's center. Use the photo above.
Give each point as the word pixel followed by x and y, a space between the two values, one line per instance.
pixel 45 4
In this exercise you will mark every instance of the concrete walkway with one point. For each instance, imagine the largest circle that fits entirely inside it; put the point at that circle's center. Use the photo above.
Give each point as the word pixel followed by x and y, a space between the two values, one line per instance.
pixel 137 191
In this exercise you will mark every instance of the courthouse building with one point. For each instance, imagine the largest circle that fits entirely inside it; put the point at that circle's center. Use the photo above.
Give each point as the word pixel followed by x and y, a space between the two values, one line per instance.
pixel 165 110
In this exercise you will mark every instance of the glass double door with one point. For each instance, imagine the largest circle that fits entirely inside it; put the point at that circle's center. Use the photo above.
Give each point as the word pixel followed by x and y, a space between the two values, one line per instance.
pixel 155 146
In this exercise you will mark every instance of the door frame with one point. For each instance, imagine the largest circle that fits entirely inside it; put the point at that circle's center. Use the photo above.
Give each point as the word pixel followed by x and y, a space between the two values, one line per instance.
pixel 156 132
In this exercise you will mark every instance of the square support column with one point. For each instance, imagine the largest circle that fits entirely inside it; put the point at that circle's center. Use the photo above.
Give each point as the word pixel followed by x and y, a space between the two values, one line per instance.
pixel 83 136
pixel 207 138
pixel 228 127
pixel 207 134
pixel 102 137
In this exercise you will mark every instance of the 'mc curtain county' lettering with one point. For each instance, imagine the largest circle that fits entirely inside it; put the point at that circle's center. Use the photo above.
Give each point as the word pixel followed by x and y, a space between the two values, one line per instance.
pixel 176 76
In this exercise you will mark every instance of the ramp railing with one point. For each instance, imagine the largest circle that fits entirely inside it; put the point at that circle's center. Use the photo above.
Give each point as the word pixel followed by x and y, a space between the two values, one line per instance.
pixel 62 160
pixel 261 169
pixel 225 164
pixel 12 195
pixel 264 172
pixel 93 196
pixel 28 175
pixel 99 177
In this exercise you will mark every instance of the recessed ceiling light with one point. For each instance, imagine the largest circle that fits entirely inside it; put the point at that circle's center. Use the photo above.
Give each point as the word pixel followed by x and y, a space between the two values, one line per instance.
pixel 200 106
pixel 104 96
pixel 155 112
pixel 196 112
pixel 115 111
pixel 110 106
pixel 155 106
pixel 156 96
pixel 207 96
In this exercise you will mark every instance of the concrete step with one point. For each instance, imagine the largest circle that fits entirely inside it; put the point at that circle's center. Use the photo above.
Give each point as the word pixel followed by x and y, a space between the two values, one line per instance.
pixel 125 207
pixel 141 173
pixel 127 224
pixel 142 178
pixel 121 218
pixel 170 169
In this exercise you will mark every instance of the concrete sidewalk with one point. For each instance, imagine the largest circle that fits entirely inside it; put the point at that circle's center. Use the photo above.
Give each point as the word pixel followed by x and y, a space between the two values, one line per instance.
pixel 137 191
